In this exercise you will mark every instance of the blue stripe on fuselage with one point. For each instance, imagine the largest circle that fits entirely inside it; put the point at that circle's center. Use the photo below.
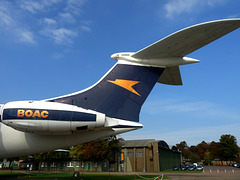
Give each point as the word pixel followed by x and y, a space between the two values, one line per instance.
pixel 56 115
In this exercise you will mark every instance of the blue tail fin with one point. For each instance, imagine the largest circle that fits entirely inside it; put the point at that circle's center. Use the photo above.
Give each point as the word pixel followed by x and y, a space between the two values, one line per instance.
pixel 120 93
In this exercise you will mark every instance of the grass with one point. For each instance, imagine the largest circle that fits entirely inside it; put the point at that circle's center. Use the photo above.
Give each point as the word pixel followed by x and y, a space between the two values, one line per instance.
pixel 44 175
pixel 81 176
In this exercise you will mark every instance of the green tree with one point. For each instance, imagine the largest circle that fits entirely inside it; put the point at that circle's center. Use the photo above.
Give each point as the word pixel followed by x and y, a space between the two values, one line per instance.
pixel 207 158
pixel 194 157
pixel 52 156
pixel 201 149
pixel 228 147
pixel 214 149
pixel 183 147
pixel 193 149
pixel 96 151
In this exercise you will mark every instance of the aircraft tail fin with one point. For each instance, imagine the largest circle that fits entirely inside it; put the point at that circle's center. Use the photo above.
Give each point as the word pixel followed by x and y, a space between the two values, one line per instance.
pixel 120 93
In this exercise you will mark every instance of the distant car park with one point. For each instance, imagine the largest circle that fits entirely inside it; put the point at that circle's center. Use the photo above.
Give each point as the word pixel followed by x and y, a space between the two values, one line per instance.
pixel 191 168
pixel 199 168
pixel 175 168
pixel 183 167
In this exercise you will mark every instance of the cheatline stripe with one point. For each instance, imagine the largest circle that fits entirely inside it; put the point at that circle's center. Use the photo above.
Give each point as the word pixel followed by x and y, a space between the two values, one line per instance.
pixel 57 115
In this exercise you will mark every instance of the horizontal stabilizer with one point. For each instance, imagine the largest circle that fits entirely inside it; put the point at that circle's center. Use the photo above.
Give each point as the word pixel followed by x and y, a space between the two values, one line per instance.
pixel 187 40
pixel 171 76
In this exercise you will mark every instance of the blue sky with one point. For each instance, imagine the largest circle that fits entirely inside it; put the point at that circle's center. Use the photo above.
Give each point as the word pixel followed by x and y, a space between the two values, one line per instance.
pixel 55 47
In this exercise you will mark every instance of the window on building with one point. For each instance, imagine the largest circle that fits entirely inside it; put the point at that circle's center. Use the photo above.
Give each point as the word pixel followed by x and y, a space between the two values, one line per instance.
pixel 130 154
pixel 53 164
pixel 69 164
pixel 77 164
pixel 139 154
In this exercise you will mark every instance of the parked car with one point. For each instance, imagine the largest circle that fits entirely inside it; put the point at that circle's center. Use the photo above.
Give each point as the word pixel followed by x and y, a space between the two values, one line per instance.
pixel 191 168
pixel 195 164
pixel 183 167
pixel 175 168
pixel 199 167
pixel 238 165
pixel 235 165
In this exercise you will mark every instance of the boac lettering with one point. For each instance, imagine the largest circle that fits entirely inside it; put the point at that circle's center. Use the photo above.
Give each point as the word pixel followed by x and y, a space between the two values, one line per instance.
pixel 31 113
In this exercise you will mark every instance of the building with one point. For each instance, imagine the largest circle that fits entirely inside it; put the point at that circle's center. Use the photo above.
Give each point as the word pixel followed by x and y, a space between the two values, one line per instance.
pixel 75 165
pixel 148 155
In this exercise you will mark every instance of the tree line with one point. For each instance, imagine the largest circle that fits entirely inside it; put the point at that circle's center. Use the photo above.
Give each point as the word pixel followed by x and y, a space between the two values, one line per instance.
pixel 226 150
pixel 92 151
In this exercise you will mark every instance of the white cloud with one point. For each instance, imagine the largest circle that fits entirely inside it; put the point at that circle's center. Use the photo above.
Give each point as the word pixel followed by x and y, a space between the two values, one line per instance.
pixel 57 20
pixel 26 36
pixel 61 35
pixel 74 6
pixel 176 7
pixel 67 17
pixel 65 24
pixel 31 6
pixel 53 30
pixel 86 28
pixel 49 21
pixel 34 6
pixel 5 16
pixel 9 24
pixel 5 19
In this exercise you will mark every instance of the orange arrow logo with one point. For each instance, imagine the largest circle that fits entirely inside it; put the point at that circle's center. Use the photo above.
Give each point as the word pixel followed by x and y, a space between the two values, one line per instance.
pixel 126 84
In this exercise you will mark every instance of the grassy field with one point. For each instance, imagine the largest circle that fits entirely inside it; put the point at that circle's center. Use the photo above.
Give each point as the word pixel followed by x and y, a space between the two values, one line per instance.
pixel 48 175
pixel 70 176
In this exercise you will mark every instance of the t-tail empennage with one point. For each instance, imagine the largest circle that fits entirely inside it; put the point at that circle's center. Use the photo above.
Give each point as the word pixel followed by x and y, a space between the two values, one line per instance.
pixel 171 51
pixel 161 62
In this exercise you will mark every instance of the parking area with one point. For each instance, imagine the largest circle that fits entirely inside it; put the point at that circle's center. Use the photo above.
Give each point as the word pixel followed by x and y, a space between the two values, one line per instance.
pixel 209 173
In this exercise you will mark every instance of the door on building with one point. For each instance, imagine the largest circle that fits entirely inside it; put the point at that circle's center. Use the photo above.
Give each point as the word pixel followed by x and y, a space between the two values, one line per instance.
pixel 89 166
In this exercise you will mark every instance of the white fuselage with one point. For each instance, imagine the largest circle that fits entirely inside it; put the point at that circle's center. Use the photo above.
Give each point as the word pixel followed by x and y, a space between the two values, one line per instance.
pixel 14 143
pixel 18 141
